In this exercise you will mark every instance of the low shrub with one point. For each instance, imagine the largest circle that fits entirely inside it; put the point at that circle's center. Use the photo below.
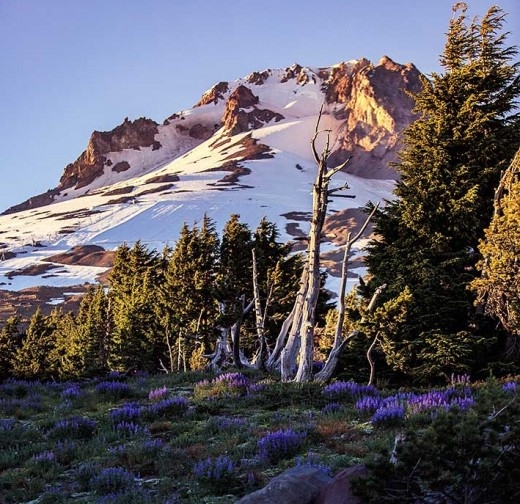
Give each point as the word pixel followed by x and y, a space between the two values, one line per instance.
pixel 279 445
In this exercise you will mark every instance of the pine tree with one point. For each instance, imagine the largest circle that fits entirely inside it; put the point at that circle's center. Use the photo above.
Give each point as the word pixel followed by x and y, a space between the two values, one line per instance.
pixel 499 286
pixel 133 281
pixel 32 360
pixel 466 132
pixel 234 283
pixel 10 342
pixel 186 304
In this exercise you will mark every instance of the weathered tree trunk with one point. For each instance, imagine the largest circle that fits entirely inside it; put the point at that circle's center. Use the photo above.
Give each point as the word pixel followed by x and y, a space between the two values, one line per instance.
pixel 260 358
pixel 273 361
pixel 371 361
pixel 339 342
pixel 302 330
pixel 288 363
pixel 235 333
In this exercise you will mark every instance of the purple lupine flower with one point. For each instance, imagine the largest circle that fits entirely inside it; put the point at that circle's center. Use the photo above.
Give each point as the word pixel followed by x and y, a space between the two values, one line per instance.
pixel 510 386
pixel 113 388
pixel 236 382
pixel 71 392
pixel 6 424
pixel 331 408
pixel 73 428
pixel 388 414
pixel 113 480
pixel 130 428
pixel 175 406
pixel 280 444
pixel 158 393
pixel 368 404
pixel 348 390
pixel 46 457
pixel 129 412
pixel 214 469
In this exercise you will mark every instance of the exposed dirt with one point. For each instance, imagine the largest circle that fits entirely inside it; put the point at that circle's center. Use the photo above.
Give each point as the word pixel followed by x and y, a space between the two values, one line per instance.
pixel 25 302
pixel 85 255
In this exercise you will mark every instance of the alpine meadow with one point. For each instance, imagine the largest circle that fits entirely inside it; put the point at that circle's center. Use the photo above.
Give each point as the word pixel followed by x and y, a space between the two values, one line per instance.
pixel 224 368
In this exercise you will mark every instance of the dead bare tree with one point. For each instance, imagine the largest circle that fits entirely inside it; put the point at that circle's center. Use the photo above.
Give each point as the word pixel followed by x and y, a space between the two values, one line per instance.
pixel 340 342
pixel 298 350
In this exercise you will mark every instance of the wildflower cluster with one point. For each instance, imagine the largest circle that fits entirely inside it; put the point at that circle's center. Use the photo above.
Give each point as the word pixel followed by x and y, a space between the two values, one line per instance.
pixel 394 408
pixel 216 473
pixel 171 406
pixel 128 412
pixel 331 408
pixel 73 428
pixel 226 385
pixel 113 389
pixel 158 393
pixel 348 390
pixel 46 457
pixel 6 424
pixel 71 392
pixel 13 405
pixel 113 480
pixel 510 387
pixel 281 444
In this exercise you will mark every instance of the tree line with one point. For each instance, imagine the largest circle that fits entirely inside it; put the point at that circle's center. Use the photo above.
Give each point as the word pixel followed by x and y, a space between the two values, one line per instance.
pixel 442 293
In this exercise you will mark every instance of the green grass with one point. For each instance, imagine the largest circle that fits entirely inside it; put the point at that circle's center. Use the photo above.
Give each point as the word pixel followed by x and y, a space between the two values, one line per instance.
pixel 161 453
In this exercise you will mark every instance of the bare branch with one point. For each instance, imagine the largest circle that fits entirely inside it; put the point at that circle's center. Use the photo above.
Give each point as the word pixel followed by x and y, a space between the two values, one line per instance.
pixel 365 224
pixel 333 172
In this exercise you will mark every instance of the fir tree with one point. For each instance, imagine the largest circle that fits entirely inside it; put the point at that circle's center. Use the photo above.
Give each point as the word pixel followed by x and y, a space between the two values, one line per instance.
pixel 466 132
pixel 32 360
pixel 10 342
pixel 186 304
pixel 499 286
pixel 133 282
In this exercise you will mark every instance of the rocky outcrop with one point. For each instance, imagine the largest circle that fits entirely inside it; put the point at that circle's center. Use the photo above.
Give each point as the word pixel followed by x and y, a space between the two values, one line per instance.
pixel 299 485
pixel 214 95
pixel 308 485
pixel 90 165
pixel 237 120
pixel 374 105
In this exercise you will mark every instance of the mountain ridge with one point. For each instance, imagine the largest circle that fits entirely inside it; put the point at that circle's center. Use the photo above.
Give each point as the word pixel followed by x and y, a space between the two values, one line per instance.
pixel 243 148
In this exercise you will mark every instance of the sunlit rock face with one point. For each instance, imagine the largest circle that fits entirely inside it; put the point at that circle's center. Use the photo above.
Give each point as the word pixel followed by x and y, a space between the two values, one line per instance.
pixel 368 106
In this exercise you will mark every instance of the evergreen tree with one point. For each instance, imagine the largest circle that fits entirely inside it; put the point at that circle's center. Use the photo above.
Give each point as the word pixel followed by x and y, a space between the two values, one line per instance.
pixel 234 282
pixel 133 281
pixel 278 275
pixel 186 303
pixel 499 286
pixel 10 342
pixel 65 358
pixel 466 132
pixel 32 360
pixel 95 331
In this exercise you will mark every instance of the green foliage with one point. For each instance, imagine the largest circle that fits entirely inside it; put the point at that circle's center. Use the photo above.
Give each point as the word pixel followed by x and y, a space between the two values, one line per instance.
pixel 459 457
pixel 32 358
pixel 465 134
pixel 10 342
pixel 132 287
pixel 499 286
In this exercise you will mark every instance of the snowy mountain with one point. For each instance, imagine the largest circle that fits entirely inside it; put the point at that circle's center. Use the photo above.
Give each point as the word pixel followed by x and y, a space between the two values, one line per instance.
pixel 243 148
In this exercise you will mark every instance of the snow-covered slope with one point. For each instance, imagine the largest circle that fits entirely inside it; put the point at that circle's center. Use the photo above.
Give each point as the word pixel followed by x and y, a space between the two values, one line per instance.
pixel 244 148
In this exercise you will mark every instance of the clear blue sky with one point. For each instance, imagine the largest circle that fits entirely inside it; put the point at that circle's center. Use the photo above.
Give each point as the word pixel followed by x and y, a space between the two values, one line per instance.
pixel 68 67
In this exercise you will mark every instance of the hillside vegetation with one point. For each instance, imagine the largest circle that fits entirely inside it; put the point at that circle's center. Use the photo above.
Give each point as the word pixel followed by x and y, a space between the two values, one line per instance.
pixel 433 329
